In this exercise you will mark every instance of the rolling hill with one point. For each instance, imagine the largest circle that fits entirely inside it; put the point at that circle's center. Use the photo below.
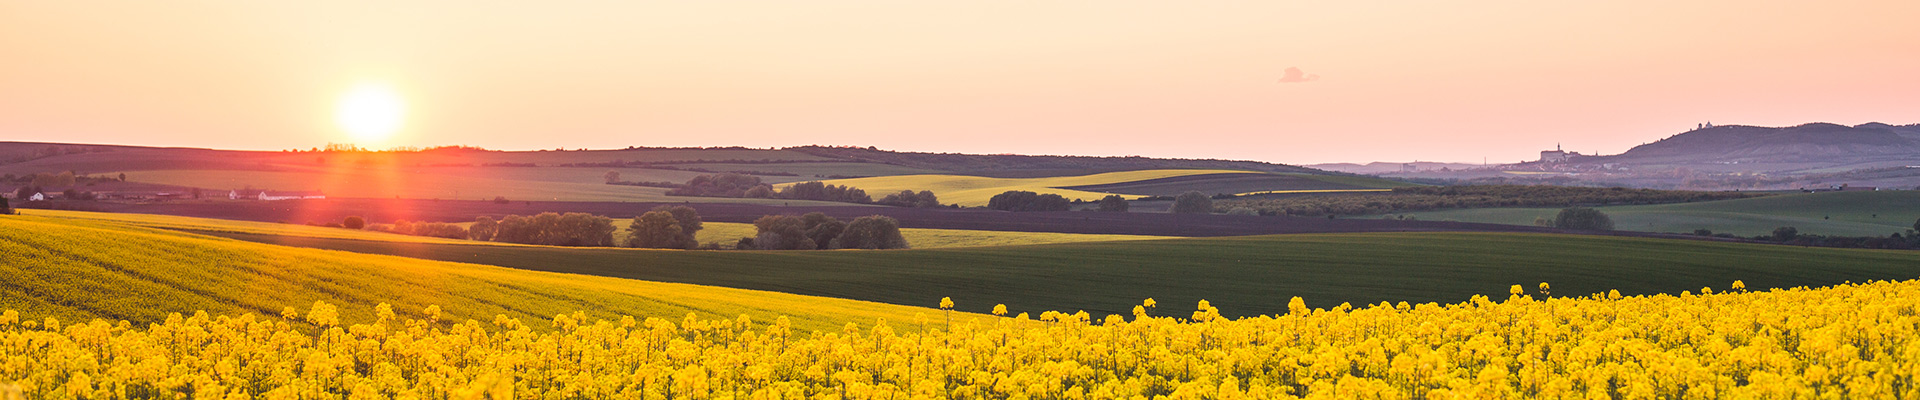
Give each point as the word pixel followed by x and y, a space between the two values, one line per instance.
pixel 976 190
pixel 80 269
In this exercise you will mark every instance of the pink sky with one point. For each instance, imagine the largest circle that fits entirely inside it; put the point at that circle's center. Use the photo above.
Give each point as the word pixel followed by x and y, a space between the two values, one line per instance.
pixel 1398 81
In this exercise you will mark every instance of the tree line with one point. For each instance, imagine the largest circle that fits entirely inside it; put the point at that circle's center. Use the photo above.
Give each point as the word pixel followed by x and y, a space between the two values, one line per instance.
pixel 748 186
pixel 663 227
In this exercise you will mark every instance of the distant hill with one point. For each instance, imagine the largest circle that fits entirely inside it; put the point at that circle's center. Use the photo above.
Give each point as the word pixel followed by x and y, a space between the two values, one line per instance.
pixel 1025 166
pixel 1379 167
pixel 1816 142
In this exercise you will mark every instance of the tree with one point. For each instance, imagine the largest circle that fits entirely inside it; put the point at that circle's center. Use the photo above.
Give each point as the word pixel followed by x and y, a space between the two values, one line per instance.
pixel 782 232
pixel 500 200
pixel 1021 200
pixel 1113 203
pixel 613 176
pixel 871 232
pixel 656 230
pixel 354 222
pixel 822 228
pixel 483 229
pixel 1582 218
pixel 24 192
pixel 759 192
pixel 196 192
pixel 513 229
pixel 5 209
pixel 689 222
pixel 907 198
pixel 1192 203
pixel 1916 224
pixel 123 177
pixel 1785 233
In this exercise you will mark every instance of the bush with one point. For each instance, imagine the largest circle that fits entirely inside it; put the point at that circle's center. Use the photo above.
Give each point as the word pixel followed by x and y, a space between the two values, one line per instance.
pixel 1021 200
pixel 1703 232
pixel 1785 233
pixel 1192 203
pixel 872 232
pixel 354 222
pixel 500 200
pixel 782 232
pixel 1243 211
pixel 1113 203
pixel 657 230
pixel 1583 218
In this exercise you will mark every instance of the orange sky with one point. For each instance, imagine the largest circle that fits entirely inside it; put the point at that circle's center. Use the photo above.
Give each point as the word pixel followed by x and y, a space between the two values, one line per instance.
pixel 1427 80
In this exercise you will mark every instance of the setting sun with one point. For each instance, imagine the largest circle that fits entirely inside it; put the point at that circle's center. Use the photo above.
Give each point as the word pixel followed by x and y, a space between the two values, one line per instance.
pixel 370 113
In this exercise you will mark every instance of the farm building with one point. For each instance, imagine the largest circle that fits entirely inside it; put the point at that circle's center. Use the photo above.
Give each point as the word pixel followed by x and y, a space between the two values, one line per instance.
pixel 37 197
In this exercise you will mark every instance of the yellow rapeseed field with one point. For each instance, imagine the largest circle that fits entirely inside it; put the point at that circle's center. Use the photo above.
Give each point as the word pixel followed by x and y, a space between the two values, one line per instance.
pixel 1853 341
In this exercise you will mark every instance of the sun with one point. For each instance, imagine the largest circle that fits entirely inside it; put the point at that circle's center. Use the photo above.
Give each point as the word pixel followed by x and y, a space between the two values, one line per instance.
pixel 370 113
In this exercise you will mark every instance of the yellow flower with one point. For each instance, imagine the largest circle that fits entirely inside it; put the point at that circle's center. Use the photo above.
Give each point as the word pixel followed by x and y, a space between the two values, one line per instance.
pixel 1000 309
pixel 946 303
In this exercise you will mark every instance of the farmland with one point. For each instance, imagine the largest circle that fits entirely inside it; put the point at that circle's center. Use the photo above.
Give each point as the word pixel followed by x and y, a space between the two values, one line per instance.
pixel 1845 341
pixel 1834 213
pixel 1241 183
pixel 78 269
pixel 975 190
pixel 1243 275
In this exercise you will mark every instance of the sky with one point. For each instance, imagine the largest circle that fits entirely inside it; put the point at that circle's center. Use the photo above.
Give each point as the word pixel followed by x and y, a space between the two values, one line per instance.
pixel 1293 82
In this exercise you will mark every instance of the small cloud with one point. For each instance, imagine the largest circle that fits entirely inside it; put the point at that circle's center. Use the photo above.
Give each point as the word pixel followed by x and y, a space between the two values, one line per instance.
pixel 1295 75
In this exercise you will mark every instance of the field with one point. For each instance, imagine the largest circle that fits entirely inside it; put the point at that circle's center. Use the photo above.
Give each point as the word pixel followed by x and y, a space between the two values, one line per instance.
pixel 1142 223
pixel 1242 184
pixel 1847 341
pixel 919 238
pixel 469 183
pixel 972 191
pixel 1833 213
pixel 1242 275
pixel 79 269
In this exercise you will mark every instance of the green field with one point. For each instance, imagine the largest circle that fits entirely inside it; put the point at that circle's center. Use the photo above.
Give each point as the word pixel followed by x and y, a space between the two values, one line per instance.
pixel 975 190
pixel 920 238
pixel 76 269
pixel 1834 213
pixel 1241 275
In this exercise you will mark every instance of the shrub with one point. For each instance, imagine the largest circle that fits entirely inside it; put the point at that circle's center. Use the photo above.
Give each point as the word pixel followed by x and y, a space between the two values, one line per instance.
pixel 354 222
pixel 1703 232
pixel 717 185
pixel 1243 211
pixel 1192 203
pixel 1113 203
pixel 1021 200
pixel 871 232
pixel 500 200
pixel 1583 218
pixel 816 190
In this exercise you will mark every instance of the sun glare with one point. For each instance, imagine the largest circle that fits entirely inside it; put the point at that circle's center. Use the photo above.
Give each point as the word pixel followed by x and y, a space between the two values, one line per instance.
pixel 370 113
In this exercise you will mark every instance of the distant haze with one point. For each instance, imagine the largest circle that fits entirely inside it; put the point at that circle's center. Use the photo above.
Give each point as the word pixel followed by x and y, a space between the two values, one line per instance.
pixel 1280 81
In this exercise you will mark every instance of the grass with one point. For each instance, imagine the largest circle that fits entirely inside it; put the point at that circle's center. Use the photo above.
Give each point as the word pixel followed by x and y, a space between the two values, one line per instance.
pixel 975 190
pixel 1241 275
pixel 76 269
pixel 1877 213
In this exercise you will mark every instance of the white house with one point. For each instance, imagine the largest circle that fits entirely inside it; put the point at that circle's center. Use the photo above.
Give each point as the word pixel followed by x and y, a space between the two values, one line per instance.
pixel 37 197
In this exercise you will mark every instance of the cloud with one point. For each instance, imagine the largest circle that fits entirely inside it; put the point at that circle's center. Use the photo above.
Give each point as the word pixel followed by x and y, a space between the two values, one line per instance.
pixel 1294 75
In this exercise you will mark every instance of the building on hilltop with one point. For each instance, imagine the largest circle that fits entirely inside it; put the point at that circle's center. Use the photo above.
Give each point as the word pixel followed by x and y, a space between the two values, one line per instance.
pixel 1557 155
pixel 270 195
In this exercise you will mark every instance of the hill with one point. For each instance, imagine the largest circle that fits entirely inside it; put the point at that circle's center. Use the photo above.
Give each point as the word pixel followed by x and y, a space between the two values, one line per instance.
pixel 1244 276
pixel 76 270
pixel 1815 142
pixel 1876 213
pixel 1028 166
